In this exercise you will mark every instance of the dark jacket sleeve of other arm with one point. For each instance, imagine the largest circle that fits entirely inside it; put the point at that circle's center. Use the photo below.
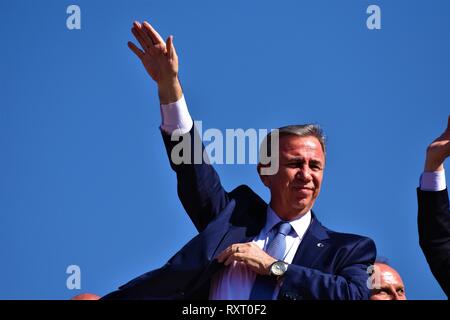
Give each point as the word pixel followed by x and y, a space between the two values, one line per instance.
pixel 198 184
pixel 434 233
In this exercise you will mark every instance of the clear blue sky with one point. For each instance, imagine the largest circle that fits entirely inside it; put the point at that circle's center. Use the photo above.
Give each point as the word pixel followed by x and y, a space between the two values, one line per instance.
pixel 84 178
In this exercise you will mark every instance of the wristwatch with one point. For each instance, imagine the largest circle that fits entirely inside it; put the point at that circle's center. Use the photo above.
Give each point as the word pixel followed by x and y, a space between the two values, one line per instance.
pixel 278 268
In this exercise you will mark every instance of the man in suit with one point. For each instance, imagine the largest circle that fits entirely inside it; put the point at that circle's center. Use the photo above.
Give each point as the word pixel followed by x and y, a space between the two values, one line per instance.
pixel 434 214
pixel 245 248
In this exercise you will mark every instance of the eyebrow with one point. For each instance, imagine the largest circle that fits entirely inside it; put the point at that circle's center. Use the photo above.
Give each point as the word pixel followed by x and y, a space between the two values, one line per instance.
pixel 301 159
pixel 313 161
pixel 388 287
pixel 296 160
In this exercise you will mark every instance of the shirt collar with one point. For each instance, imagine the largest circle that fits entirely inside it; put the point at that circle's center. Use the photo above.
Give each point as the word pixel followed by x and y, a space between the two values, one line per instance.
pixel 300 225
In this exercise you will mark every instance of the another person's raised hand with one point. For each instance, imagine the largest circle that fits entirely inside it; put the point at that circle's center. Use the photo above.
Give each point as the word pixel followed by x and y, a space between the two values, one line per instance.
pixel 159 59
pixel 438 151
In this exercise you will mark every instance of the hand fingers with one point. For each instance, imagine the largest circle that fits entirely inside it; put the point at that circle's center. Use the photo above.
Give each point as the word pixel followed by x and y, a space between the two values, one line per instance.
pixel 152 33
pixel 143 38
pixel 225 254
pixel 140 54
pixel 144 44
pixel 235 256
pixel 170 47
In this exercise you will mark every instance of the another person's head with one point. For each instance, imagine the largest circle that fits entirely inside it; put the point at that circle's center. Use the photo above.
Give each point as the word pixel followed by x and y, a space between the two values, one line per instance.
pixel 86 296
pixel 294 187
pixel 390 285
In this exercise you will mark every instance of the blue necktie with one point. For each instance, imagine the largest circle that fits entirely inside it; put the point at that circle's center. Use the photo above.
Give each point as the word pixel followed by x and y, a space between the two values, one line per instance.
pixel 265 285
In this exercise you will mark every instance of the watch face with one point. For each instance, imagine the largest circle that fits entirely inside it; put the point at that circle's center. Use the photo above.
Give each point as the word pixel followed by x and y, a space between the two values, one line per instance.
pixel 278 268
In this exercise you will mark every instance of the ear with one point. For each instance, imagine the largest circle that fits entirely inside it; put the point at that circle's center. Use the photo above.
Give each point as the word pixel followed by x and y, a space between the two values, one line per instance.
pixel 264 178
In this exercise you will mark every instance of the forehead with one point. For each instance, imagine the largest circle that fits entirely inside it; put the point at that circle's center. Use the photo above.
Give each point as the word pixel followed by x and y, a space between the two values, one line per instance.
pixel 390 276
pixel 309 146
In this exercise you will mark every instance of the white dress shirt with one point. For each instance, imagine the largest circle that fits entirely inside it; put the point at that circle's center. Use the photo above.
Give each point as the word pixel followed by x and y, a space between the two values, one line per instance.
pixel 236 281
pixel 175 116
pixel 433 181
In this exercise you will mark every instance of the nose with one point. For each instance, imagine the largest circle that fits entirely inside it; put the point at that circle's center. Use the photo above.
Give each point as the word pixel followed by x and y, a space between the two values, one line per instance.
pixel 394 294
pixel 397 296
pixel 304 174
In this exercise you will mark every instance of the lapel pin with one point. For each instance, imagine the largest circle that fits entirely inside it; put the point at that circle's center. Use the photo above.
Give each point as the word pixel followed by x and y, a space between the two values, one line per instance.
pixel 320 245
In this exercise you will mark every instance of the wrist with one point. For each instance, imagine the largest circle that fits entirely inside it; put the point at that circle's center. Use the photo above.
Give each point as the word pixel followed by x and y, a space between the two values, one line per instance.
pixel 169 91
pixel 278 269
pixel 433 164
pixel 268 264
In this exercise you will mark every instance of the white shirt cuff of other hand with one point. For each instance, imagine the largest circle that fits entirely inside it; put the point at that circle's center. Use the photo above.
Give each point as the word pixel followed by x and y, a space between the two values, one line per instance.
pixel 175 116
pixel 433 181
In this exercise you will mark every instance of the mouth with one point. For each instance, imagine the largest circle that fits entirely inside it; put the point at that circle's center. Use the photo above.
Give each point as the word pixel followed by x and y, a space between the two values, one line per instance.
pixel 303 189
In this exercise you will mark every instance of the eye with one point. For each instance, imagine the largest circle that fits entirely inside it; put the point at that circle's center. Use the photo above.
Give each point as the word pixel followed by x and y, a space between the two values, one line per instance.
pixel 401 291
pixel 293 164
pixel 379 292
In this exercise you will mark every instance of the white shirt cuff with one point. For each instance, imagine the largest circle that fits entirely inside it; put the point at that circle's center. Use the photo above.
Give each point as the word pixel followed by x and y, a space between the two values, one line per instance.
pixel 175 116
pixel 433 181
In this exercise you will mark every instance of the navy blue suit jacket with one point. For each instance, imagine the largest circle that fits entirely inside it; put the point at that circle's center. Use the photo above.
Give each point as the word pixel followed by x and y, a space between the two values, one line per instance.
pixel 434 233
pixel 327 265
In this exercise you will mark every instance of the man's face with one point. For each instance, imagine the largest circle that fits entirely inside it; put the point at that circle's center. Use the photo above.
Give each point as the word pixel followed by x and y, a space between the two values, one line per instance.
pixel 296 185
pixel 391 284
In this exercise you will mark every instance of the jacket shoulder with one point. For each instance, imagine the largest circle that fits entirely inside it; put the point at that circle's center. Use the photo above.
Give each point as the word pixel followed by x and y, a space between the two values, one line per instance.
pixel 344 238
pixel 244 193
pixel 249 205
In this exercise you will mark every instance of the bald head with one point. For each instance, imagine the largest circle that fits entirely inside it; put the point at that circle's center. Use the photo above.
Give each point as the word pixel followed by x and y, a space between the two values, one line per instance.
pixel 390 286
pixel 86 296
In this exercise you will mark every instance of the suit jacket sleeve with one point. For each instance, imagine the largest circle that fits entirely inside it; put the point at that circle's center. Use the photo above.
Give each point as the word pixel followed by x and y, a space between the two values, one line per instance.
pixel 198 184
pixel 434 233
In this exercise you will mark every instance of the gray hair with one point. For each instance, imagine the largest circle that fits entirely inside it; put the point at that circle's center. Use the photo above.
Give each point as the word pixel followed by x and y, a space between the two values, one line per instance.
pixel 300 130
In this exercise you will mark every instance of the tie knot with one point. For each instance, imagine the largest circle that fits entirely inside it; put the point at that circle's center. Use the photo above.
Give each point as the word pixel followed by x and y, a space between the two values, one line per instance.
pixel 284 228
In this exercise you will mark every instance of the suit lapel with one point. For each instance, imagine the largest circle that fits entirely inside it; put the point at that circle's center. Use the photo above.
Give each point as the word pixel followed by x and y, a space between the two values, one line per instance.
pixel 243 230
pixel 312 244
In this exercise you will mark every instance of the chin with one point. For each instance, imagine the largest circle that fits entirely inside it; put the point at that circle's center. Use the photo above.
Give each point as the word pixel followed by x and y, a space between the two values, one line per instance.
pixel 300 207
pixel 302 202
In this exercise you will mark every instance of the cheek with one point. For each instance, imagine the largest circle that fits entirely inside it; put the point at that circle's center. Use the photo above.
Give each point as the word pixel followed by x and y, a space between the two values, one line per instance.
pixel 317 184
pixel 317 181
pixel 283 177
pixel 290 175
